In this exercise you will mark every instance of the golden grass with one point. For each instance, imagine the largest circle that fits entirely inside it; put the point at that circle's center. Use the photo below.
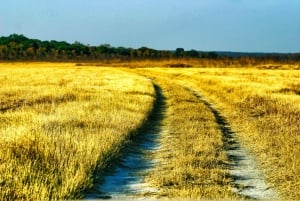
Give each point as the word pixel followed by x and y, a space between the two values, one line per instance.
pixel 195 63
pixel 263 107
pixel 192 158
pixel 60 124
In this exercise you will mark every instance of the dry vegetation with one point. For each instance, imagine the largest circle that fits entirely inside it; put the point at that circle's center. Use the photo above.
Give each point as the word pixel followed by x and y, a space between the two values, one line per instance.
pixel 192 159
pixel 195 63
pixel 262 106
pixel 59 125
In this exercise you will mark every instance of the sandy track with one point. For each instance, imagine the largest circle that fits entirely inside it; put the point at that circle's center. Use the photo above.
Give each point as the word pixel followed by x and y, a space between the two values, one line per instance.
pixel 248 178
pixel 125 180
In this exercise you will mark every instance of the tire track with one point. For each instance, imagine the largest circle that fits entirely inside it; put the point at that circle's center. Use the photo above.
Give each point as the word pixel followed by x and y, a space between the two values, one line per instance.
pixel 248 179
pixel 125 179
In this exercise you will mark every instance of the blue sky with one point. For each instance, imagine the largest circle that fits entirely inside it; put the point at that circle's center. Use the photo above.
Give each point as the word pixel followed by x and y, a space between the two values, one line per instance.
pixel 211 25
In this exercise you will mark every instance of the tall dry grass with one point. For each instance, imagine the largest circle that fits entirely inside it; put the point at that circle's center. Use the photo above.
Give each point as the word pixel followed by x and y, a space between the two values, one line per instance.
pixel 60 125
pixel 263 107
pixel 192 162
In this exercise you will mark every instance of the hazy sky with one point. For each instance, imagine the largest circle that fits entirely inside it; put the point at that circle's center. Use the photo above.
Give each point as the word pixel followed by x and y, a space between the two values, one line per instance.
pixel 216 25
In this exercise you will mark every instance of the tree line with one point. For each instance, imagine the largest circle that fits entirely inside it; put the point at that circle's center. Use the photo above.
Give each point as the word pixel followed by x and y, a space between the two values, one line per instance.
pixel 20 48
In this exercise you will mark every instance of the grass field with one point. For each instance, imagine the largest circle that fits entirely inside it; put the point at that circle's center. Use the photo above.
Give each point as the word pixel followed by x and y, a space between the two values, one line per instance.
pixel 192 158
pixel 262 106
pixel 60 124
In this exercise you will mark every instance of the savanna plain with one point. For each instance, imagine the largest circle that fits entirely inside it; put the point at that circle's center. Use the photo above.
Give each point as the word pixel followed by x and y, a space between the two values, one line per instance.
pixel 62 125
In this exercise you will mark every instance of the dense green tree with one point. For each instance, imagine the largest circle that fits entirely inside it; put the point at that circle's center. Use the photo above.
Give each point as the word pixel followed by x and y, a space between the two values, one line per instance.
pixel 192 53
pixel 179 52
pixel 19 47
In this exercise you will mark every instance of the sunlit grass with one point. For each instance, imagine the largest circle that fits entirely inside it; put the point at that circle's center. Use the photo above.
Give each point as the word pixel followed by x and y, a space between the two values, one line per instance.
pixel 59 125
pixel 263 107
pixel 192 157
pixel 62 123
